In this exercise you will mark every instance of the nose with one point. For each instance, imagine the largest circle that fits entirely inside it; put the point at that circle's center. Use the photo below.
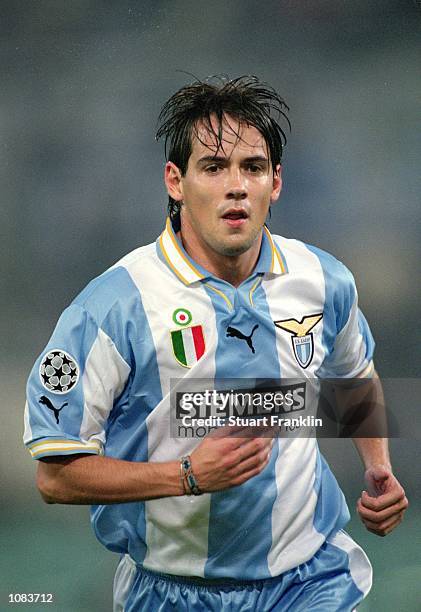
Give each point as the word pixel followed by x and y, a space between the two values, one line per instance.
pixel 236 188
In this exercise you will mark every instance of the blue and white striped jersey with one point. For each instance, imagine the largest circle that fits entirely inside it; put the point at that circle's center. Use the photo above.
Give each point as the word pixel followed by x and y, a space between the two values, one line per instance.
pixel 102 385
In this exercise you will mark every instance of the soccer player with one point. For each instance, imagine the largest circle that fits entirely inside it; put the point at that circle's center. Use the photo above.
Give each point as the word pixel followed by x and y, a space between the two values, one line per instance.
pixel 225 523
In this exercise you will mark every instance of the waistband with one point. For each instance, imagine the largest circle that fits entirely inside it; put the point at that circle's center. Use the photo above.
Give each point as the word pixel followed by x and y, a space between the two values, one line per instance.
pixel 207 583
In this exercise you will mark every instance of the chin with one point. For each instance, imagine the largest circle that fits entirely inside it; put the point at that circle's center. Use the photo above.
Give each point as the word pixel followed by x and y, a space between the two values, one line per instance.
pixel 234 249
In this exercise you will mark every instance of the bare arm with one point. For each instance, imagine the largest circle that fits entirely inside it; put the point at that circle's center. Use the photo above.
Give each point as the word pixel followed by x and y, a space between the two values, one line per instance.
pixel 373 451
pixel 218 463
pixel 381 507
pixel 93 479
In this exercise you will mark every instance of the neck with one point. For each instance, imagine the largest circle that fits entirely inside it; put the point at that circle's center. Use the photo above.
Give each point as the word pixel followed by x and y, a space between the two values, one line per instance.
pixel 231 268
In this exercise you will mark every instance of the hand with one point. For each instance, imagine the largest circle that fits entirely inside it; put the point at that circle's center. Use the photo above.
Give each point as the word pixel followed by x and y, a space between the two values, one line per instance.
pixel 381 509
pixel 220 461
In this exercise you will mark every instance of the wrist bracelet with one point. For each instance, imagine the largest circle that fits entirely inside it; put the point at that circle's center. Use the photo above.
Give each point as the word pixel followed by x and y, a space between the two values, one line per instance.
pixel 188 476
pixel 182 480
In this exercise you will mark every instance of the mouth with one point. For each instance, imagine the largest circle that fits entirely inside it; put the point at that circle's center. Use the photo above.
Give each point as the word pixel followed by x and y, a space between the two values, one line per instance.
pixel 235 217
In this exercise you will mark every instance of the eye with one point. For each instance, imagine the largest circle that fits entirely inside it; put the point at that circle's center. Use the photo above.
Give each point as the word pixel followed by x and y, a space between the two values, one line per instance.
pixel 212 168
pixel 254 168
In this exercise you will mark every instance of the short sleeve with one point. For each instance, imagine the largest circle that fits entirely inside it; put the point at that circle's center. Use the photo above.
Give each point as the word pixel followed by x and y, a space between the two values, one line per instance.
pixel 72 388
pixel 350 351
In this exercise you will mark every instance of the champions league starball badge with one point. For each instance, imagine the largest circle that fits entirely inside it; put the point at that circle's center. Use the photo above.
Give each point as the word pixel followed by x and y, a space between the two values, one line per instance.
pixel 58 371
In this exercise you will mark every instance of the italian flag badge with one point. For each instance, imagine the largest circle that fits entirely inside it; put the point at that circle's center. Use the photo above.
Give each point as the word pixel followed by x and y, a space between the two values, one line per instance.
pixel 188 343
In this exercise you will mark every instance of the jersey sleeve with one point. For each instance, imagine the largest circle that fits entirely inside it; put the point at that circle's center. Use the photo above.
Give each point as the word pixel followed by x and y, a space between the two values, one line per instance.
pixel 72 388
pixel 350 344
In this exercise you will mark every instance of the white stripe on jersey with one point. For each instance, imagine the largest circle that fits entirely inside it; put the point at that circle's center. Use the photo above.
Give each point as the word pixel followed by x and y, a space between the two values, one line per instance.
pixel 309 301
pixel 103 380
pixel 27 436
pixel 167 518
pixel 349 349
pixel 294 537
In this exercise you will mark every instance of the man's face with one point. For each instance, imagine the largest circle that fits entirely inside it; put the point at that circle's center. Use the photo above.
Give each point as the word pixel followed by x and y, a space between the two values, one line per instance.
pixel 226 193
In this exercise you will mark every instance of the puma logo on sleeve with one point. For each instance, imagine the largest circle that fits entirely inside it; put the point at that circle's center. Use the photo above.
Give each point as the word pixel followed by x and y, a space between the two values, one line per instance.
pixel 44 400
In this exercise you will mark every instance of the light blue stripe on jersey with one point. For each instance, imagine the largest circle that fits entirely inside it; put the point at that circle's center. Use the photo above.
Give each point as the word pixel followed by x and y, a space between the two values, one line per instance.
pixel 122 527
pixel 75 333
pixel 97 306
pixel 331 512
pixel 113 301
pixel 339 296
pixel 240 519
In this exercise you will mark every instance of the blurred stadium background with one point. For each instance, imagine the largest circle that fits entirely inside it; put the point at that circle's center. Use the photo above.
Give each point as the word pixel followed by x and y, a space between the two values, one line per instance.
pixel 81 175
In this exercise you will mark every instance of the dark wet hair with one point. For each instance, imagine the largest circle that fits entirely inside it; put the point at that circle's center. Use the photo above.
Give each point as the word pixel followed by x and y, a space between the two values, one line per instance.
pixel 245 98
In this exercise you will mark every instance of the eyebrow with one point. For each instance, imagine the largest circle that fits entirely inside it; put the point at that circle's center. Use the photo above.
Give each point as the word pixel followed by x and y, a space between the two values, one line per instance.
pixel 219 158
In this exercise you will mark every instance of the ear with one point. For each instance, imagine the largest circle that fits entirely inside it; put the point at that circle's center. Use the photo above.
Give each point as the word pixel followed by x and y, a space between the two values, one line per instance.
pixel 277 184
pixel 172 178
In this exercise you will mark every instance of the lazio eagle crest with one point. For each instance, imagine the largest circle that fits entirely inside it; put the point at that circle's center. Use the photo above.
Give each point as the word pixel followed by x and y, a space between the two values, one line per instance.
pixel 302 339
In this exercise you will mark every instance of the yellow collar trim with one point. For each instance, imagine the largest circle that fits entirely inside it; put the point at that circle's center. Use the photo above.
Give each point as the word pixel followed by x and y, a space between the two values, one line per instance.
pixel 277 265
pixel 175 257
pixel 187 272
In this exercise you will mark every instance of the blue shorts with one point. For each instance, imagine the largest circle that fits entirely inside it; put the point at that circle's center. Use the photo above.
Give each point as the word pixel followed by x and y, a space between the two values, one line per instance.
pixel 335 579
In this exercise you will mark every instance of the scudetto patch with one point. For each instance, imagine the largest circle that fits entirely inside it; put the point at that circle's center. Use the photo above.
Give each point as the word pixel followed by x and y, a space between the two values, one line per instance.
pixel 188 345
pixel 59 371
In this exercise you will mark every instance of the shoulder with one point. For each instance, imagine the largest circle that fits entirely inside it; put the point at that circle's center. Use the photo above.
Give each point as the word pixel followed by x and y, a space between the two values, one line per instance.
pixel 310 264
pixel 115 288
pixel 303 256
